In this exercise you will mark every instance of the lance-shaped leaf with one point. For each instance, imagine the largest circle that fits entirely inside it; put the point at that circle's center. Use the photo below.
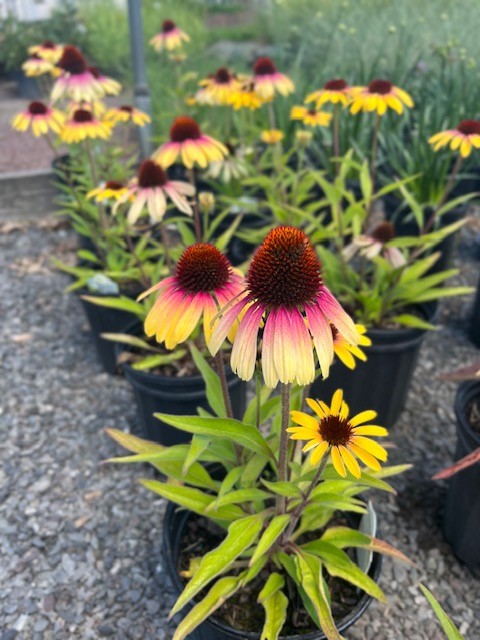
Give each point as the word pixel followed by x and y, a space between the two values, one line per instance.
pixel 270 536
pixel 217 595
pixel 275 604
pixel 339 565
pixel 309 568
pixel 197 447
pixel 282 488
pixel 243 434
pixel 343 537
pixel 192 499
pixel 133 443
pixel 450 629
pixel 241 535
pixel 237 497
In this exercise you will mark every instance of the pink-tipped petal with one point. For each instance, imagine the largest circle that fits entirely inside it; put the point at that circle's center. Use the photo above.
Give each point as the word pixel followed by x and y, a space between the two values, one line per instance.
pixel 244 351
pixel 333 310
pixel 322 337
pixel 223 327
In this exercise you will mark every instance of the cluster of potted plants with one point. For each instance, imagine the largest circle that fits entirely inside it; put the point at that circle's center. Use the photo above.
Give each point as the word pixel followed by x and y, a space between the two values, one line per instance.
pixel 214 263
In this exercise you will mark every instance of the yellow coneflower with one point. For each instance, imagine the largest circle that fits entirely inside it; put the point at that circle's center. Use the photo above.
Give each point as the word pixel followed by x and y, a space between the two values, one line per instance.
pixel 111 190
pixel 311 117
pixel 272 136
pixel 37 66
pixel 246 97
pixel 379 96
pixel 189 145
pixel 127 113
pixel 332 431
pixel 47 50
pixel 82 125
pixel 464 138
pixel 334 91
pixel 217 89
pixel 40 118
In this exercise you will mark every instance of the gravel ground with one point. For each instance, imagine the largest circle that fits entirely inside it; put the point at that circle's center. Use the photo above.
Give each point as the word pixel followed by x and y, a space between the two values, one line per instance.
pixel 80 541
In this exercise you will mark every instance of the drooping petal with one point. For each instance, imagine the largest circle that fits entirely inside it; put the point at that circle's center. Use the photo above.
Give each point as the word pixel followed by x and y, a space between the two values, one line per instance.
pixel 370 446
pixel 244 350
pixel 318 453
pixel 338 462
pixel 350 462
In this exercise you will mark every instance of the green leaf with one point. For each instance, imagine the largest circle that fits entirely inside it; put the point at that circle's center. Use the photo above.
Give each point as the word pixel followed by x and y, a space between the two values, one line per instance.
pixel 239 496
pixel 253 469
pixel 409 320
pixel 275 615
pixel 217 595
pixel 270 536
pixel 133 341
pixel 274 583
pixel 309 568
pixel 195 450
pixel 121 303
pixel 134 443
pixel 212 383
pixel 339 565
pixel 450 629
pixel 230 480
pixel 283 488
pixel 343 537
pixel 157 360
pixel 243 434
pixel 365 182
pixel 192 499
pixel 241 535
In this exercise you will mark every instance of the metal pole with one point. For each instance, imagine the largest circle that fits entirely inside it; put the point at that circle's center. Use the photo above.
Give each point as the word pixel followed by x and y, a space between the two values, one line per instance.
pixel 141 91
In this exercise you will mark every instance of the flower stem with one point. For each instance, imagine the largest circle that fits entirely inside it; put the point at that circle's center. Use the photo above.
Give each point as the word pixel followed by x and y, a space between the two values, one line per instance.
pixel 196 212
pixel 283 450
pixel 145 280
pixel 298 511
pixel 168 258
pixel 336 138
pixel 373 168
pixel 220 365
pixel 448 187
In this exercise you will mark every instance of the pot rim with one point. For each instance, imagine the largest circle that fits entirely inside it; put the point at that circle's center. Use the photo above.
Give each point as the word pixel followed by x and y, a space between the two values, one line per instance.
pixel 342 625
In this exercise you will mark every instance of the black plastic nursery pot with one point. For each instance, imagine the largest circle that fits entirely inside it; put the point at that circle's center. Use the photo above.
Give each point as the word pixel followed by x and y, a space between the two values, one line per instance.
pixel 475 319
pixel 176 396
pixel 105 320
pixel 174 525
pixel 27 86
pixel 383 381
pixel 461 524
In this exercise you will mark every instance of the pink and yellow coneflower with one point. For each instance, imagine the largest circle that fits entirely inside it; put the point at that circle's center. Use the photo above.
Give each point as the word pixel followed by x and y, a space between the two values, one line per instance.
pixel 189 145
pixel 379 96
pixel 40 118
pixel 76 81
pixel 112 190
pixel 110 86
pixel 127 113
pixel 310 117
pixel 204 281
pixel 286 295
pixel 376 243
pixel 268 80
pixel 47 50
pixel 217 89
pixel 169 38
pixel 83 124
pixel 332 432
pixel 464 138
pixel 150 189
pixel 335 91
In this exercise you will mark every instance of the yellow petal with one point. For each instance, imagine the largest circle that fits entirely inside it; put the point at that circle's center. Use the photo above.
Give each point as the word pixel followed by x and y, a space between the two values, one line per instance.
pixel 371 446
pixel 364 416
pixel 365 457
pixel 370 430
pixel 337 400
pixel 315 406
pixel 304 419
pixel 337 462
pixel 318 453
pixel 350 462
